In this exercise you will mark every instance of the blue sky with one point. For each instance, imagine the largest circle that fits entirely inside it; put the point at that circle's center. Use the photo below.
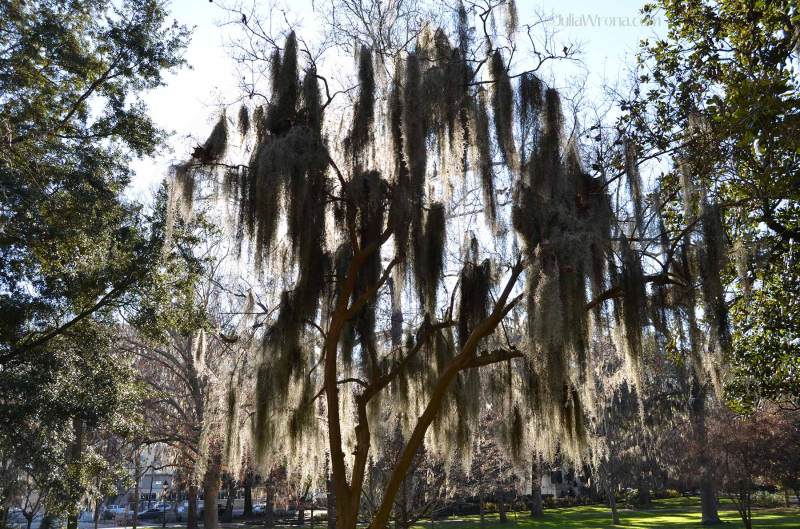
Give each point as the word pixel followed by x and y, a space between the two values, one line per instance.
pixel 187 105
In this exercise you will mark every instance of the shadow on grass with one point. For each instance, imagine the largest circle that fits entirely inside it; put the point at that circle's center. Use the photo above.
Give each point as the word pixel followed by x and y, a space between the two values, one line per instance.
pixel 677 513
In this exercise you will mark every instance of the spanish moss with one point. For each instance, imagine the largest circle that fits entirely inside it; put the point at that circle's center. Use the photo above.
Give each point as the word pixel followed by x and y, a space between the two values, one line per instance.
pixel 364 107
pixel 503 108
pixel 244 121
pixel 429 256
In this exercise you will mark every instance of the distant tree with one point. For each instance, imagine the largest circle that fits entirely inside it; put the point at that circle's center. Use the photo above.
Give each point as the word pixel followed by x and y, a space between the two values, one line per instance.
pixel 746 448
pixel 784 454
pixel 617 416
pixel 424 489
pixel 31 499
pixel 191 364
pixel 492 473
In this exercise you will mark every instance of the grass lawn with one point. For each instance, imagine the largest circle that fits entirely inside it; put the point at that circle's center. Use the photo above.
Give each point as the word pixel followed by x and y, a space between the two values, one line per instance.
pixel 675 513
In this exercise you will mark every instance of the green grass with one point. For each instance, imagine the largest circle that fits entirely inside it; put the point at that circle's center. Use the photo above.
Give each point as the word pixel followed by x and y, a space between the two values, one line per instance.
pixel 677 513
pixel 674 513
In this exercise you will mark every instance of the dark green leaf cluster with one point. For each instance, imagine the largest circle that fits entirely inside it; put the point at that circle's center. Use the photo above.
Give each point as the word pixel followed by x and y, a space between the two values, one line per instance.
pixel 73 249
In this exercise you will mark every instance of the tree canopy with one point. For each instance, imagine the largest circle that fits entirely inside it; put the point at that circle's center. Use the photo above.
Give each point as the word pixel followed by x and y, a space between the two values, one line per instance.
pixel 401 256
pixel 400 284
pixel 718 96
pixel 72 247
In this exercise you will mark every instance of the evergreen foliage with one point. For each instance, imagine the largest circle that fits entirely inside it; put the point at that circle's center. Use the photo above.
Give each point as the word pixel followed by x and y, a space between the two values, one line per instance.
pixel 73 250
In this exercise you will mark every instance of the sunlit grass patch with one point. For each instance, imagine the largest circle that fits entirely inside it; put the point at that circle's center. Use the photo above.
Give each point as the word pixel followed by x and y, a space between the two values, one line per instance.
pixel 673 513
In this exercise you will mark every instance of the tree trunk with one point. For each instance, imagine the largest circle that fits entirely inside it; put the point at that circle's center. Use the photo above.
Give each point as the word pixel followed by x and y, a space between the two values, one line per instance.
pixel 348 496
pixel 269 508
pixel 331 503
pixel 744 505
pixel 612 502
pixel 708 501
pixel 191 507
pixel 482 510
pixel 210 493
pixel 74 455
pixel 501 508
pixel 786 502
pixel 96 515
pixel 137 493
pixel 465 359
pixel 537 508
pixel 401 507
pixel 644 493
pixel 228 517
pixel 708 492
pixel 248 494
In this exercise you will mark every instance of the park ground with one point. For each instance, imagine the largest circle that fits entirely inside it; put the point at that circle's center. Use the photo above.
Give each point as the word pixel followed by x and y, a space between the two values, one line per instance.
pixel 676 513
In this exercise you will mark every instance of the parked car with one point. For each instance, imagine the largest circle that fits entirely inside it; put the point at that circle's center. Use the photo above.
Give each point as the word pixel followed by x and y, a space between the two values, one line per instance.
pixel 184 505
pixel 15 515
pixel 152 514
pixel 112 511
